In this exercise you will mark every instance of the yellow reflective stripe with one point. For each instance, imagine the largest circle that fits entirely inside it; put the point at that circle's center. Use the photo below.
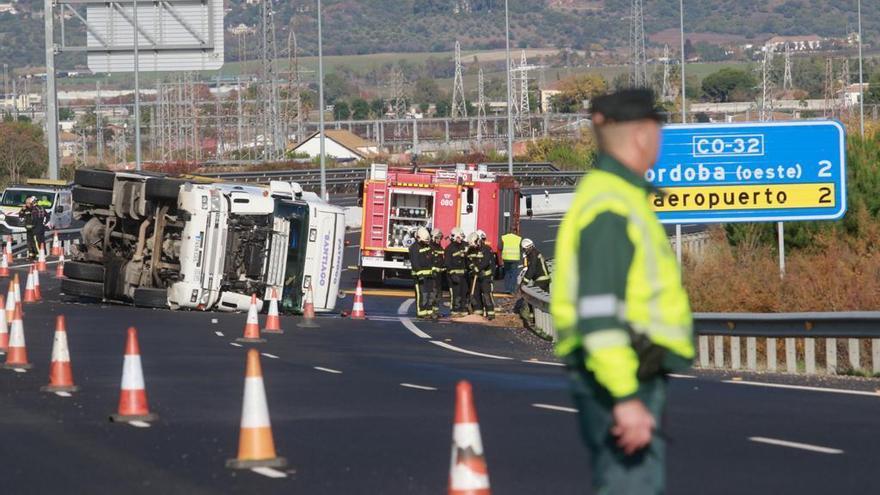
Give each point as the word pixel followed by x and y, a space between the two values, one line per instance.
pixel 615 369
pixel 567 343
pixel 603 339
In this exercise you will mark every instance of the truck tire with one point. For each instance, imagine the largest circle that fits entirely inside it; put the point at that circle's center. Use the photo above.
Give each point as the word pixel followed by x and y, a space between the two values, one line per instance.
pixel 150 298
pixel 81 288
pixel 92 196
pixel 98 179
pixel 164 188
pixel 88 272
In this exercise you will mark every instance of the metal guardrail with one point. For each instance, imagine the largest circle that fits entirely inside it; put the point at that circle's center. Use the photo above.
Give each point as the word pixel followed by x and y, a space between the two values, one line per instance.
pixel 810 343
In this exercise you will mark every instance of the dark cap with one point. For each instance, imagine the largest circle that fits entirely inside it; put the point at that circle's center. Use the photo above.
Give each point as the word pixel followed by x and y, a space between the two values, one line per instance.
pixel 626 106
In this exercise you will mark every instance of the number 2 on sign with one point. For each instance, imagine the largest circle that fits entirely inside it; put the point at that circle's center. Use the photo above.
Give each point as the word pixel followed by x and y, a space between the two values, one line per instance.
pixel 825 198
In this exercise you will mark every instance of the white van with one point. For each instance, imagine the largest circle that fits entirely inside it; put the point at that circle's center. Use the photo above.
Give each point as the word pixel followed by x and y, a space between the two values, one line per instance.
pixel 53 196
pixel 186 243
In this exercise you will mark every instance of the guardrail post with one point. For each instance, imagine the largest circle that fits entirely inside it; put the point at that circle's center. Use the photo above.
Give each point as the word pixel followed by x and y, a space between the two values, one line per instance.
pixel 734 353
pixel 751 353
pixel 790 356
pixel 810 356
pixel 831 356
pixel 704 351
pixel 875 355
pixel 770 350
pixel 719 351
pixel 854 360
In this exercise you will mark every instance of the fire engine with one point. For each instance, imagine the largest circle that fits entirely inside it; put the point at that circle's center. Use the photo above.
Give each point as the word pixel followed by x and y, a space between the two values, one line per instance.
pixel 398 200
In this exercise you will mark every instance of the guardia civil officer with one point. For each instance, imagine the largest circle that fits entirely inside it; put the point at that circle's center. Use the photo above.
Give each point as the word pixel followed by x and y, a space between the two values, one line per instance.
pixel 456 272
pixel 421 258
pixel 511 256
pixel 439 270
pixel 623 317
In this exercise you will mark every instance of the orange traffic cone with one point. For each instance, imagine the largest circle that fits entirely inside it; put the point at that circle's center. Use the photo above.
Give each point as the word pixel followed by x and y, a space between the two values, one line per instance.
pixel 308 319
pixel 29 294
pixel 252 326
pixel 132 395
pixel 60 373
pixel 59 269
pixel 4 329
pixel 56 245
pixel 10 301
pixel 38 296
pixel 256 447
pixel 4 266
pixel 273 321
pixel 41 258
pixel 17 283
pixel 8 250
pixel 468 474
pixel 16 353
pixel 357 309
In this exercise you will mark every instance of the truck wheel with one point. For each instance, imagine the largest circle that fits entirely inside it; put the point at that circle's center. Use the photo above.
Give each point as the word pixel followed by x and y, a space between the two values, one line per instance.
pixel 92 196
pixel 89 272
pixel 81 288
pixel 99 179
pixel 150 298
pixel 163 188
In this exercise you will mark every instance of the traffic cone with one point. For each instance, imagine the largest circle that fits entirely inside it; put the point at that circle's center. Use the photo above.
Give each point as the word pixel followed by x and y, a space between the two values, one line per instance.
pixel 273 321
pixel 308 318
pixel 256 447
pixel 29 295
pixel 132 395
pixel 468 474
pixel 16 353
pixel 17 283
pixel 357 309
pixel 4 329
pixel 38 296
pixel 4 266
pixel 59 268
pixel 252 326
pixel 60 373
pixel 10 301
pixel 56 245
pixel 41 258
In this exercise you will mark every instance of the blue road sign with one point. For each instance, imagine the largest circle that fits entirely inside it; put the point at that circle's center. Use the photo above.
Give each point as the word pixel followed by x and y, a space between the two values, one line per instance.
pixel 752 172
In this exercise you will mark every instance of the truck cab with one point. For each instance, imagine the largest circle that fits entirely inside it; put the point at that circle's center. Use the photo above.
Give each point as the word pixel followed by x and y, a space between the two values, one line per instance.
pixel 53 196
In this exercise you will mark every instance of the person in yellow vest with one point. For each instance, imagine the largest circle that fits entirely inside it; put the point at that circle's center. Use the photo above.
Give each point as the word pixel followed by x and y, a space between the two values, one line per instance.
pixel 623 318
pixel 511 255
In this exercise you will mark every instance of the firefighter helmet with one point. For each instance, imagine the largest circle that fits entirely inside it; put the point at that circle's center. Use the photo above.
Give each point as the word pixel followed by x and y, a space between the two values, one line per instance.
pixel 422 235
pixel 457 234
pixel 437 234
pixel 527 243
pixel 481 234
pixel 473 239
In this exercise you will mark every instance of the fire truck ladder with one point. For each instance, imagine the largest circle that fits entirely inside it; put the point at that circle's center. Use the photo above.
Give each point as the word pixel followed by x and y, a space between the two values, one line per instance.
pixel 378 210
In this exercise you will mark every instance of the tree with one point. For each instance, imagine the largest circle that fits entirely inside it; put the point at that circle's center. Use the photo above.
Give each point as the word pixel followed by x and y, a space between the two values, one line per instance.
pixel 360 109
pixel 426 91
pixel 65 114
pixel 575 90
pixel 336 87
pixel 341 111
pixel 442 108
pixel 873 94
pixel 729 84
pixel 22 153
pixel 377 108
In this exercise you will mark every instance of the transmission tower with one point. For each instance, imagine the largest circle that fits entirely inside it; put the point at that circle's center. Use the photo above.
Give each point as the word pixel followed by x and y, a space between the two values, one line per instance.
pixel 639 77
pixel 786 78
pixel 766 108
pixel 268 89
pixel 664 91
pixel 845 80
pixel 481 107
pixel 99 125
pixel 829 88
pixel 459 108
pixel 524 114
pixel 398 101
pixel 294 108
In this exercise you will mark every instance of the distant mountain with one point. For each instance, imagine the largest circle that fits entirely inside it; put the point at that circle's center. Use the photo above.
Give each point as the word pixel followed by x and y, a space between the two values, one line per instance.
pixel 370 26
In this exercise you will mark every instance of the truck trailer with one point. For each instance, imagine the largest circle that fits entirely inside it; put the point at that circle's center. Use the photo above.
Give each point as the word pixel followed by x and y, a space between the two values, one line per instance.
pixel 192 243
pixel 398 200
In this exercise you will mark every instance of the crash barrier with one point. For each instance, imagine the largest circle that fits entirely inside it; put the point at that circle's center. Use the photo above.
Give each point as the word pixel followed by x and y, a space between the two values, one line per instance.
pixel 807 343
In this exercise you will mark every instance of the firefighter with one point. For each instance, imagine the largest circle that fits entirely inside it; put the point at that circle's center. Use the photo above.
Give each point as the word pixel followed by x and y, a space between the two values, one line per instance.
pixel 439 270
pixel 511 256
pixel 456 271
pixel 482 266
pixel 421 258
pixel 536 272
pixel 34 218
pixel 474 255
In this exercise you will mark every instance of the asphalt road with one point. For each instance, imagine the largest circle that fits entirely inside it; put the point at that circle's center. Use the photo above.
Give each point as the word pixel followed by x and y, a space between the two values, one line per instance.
pixel 347 424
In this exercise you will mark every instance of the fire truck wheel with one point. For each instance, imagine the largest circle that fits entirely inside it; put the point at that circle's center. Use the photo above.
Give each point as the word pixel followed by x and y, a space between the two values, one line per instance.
pixel 81 288
pixel 150 298
pixel 99 179
pixel 92 196
pixel 163 188
pixel 88 272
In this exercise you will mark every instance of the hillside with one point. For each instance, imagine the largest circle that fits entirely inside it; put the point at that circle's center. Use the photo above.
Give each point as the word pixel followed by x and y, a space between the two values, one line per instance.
pixel 371 26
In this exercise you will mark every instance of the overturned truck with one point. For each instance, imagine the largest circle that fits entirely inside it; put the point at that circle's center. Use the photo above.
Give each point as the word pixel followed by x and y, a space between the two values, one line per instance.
pixel 188 243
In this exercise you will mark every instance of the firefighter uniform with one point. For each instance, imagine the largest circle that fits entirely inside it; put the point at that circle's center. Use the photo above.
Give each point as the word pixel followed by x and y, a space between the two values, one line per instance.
pixel 421 257
pixel 482 266
pixel 624 320
pixel 536 272
pixel 456 270
pixel 438 255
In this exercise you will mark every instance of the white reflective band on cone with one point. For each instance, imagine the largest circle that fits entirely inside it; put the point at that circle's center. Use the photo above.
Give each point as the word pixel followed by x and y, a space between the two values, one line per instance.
pixel 254 410
pixel 132 374
pixel 252 316
pixel 16 335
pixel 463 478
pixel 466 435
pixel 60 352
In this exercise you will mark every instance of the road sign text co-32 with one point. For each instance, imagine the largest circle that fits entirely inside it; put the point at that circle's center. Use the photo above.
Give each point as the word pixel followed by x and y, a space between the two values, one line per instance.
pixel 753 172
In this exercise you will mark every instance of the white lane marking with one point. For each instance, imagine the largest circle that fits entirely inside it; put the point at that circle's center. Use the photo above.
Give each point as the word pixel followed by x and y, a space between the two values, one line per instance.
pixel 551 225
pixel 269 472
pixel 139 424
pixel 549 240
pixel 547 363
pixel 272 356
pixel 686 377
pixel 551 407
pixel 803 387
pixel 236 344
pixel 465 351
pixel 418 387
pixel 63 394
pixel 404 306
pixel 213 321
pixel 328 370
pixel 796 445
pixel 219 334
pixel 19 370
pixel 384 318
pixel 413 328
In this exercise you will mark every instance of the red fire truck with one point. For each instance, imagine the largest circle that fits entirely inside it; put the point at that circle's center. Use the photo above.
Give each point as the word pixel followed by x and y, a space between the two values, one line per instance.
pixel 399 200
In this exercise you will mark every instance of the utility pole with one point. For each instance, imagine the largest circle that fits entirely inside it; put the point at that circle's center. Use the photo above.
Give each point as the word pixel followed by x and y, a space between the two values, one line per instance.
pixel 786 77
pixel 509 89
pixel 683 95
pixel 137 90
pixel 321 104
pixel 459 107
pixel 481 107
pixel 99 126
pixel 845 80
pixel 639 61
pixel 861 77
pixel 51 95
